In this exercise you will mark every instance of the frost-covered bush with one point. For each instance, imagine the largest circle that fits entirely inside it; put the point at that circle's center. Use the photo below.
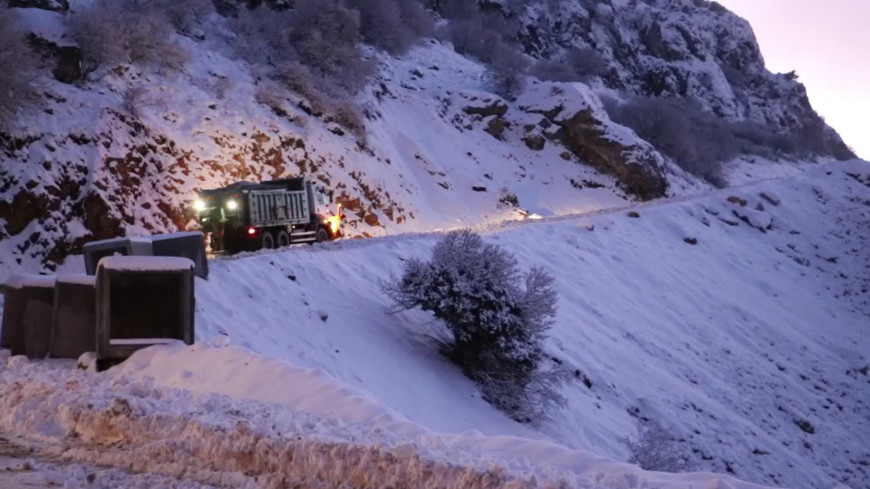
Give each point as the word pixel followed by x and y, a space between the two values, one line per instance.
pixel 311 50
pixel 347 115
pixel 472 38
pixel 325 35
pixel 655 448
pixel 488 37
pixel 699 142
pixel 183 14
pixel 20 69
pixel 497 315
pixel 322 36
pixel 755 138
pixel 298 79
pixel 455 9
pixel 578 65
pixel 262 37
pixel 126 31
pixel 393 25
pixel 507 73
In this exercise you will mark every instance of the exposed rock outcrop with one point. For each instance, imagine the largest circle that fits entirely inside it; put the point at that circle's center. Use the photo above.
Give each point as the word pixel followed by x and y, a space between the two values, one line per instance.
pixel 691 49
pixel 581 124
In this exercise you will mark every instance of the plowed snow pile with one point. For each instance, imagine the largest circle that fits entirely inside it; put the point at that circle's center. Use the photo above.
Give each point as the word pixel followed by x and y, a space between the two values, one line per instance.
pixel 117 421
pixel 738 321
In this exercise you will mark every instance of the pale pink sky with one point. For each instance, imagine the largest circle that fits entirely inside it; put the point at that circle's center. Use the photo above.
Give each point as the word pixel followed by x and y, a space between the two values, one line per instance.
pixel 828 43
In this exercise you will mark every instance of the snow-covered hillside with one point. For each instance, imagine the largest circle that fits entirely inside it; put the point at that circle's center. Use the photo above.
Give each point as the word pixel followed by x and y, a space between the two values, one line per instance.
pixel 124 151
pixel 741 328
pixel 737 319
pixel 126 154
pixel 734 342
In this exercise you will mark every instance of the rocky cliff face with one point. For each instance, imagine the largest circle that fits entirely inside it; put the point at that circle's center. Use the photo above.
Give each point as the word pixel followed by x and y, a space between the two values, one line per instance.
pixel 690 49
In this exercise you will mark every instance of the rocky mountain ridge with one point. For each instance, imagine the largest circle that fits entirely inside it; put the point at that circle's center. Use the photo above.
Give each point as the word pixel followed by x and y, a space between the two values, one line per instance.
pixel 690 49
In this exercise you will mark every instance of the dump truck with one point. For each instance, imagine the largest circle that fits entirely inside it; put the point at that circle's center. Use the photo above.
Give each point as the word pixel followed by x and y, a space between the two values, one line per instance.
pixel 247 216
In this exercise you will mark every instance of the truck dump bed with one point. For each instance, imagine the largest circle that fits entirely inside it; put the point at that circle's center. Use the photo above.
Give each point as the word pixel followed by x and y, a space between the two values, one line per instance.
pixel 276 207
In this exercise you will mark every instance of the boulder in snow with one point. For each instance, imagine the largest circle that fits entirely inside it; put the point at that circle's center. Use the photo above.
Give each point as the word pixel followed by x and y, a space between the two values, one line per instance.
pixel 757 219
pixel 770 197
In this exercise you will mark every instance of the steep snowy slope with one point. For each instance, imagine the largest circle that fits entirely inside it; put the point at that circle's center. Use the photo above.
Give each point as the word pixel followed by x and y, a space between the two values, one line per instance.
pixel 741 328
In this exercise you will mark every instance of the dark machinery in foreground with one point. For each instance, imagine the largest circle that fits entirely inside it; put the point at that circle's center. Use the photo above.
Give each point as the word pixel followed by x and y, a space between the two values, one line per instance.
pixel 246 216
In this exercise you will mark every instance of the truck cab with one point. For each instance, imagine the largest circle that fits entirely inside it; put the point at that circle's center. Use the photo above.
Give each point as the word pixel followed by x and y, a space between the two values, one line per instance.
pixel 247 216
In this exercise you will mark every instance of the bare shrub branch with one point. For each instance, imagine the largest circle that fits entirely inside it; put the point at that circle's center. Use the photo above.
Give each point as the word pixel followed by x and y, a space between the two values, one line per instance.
pixel 393 25
pixel 507 73
pixel 578 65
pixel 325 34
pixel 126 31
pixel 655 448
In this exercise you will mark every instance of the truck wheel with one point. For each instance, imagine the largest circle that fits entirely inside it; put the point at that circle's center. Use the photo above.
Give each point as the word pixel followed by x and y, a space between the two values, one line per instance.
pixel 321 235
pixel 282 239
pixel 267 241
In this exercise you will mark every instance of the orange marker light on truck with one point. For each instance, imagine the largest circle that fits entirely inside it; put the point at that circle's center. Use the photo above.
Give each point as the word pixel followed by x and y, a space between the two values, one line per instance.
pixel 335 221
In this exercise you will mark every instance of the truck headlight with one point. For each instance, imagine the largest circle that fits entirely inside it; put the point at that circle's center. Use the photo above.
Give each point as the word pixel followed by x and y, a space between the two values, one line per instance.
pixel 198 205
pixel 232 205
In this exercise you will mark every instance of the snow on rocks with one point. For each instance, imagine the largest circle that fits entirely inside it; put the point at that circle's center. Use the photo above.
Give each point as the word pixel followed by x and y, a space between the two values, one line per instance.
pixel 770 197
pixel 586 129
pixel 87 361
pixel 755 218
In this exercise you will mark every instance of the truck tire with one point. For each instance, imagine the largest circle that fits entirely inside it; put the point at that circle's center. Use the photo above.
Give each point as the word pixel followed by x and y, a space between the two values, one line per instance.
pixel 267 241
pixel 321 235
pixel 282 239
